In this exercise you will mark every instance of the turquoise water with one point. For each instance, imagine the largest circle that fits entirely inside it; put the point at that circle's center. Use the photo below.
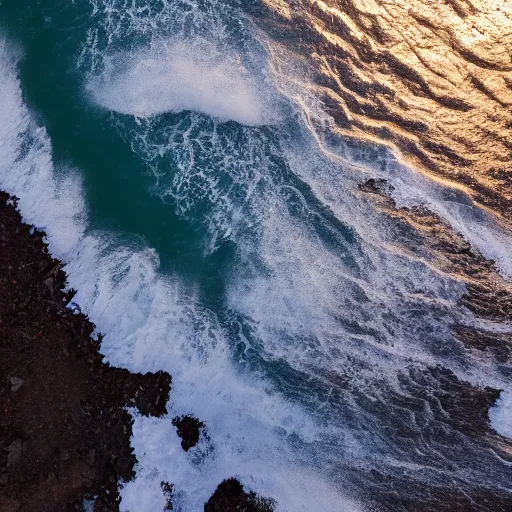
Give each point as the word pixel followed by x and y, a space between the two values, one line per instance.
pixel 212 223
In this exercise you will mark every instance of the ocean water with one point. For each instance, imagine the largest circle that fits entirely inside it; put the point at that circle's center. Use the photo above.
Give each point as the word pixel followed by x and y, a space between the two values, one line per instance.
pixel 210 218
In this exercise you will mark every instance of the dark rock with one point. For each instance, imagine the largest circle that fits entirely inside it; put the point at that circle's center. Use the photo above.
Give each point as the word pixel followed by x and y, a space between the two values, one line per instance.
pixel 230 496
pixel 66 437
pixel 9 505
pixel 168 490
pixel 14 450
pixel 189 429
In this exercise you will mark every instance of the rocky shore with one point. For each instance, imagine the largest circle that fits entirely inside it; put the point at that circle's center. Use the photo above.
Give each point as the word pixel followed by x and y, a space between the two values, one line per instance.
pixel 64 429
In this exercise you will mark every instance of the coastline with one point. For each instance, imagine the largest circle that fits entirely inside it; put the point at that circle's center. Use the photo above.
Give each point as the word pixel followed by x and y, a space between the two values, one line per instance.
pixel 65 432
pixel 439 420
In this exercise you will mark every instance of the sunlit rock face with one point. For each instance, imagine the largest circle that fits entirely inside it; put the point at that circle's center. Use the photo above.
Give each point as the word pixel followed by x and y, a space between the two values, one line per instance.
pixel 430 78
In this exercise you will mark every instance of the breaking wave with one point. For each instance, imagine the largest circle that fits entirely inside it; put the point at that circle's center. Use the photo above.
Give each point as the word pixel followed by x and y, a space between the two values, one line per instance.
pixel 156 321
pixel 177 76
pixel 324 363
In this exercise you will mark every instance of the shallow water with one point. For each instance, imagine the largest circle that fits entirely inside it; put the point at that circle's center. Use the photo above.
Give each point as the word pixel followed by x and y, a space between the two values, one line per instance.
pixel 211 221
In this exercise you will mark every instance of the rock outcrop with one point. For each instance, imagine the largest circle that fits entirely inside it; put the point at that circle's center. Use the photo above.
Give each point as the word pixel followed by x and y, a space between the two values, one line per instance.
pixel 64 431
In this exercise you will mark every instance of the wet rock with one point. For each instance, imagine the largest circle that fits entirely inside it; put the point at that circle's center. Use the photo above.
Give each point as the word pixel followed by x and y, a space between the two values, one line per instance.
pixel 488 295
pixel 14 449
pixel 189 429
pixel 230 496
pixel 9 505
pixel 64 455
pixel 168 490
pixel 376 186
pixel 497 344
pixel 48 282
pixel 66 437
pixel 458 403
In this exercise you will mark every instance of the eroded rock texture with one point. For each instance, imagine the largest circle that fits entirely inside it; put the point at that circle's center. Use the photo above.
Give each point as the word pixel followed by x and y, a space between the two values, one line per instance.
pixel 64 431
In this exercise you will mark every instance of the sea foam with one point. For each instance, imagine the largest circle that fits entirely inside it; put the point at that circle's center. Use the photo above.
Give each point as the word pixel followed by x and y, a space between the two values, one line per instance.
pixel 177 76
pixel 501 414
pixel 154 322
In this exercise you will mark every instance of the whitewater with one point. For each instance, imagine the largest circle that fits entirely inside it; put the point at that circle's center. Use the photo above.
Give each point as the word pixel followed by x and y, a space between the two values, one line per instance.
pixel 293 321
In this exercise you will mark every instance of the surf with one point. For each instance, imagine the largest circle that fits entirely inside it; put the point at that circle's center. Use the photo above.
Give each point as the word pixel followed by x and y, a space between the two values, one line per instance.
pixel 320 321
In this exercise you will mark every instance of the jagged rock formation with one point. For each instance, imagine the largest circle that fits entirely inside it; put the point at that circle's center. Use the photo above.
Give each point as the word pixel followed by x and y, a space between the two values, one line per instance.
pixel 64 431
pixel 230 496
pixel 189 429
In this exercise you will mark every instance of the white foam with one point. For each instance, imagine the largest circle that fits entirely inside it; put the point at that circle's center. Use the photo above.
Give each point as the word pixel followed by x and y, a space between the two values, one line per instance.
pixel 181 75
pixel 297 307
pixel 158 448
pixel 501 414
pixel 52 202
pixel 152 323
pixel 322 309
pixel 412 188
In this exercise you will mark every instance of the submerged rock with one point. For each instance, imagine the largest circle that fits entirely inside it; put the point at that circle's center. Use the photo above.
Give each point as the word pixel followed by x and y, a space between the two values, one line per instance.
pixel 168 490
pixel 488 295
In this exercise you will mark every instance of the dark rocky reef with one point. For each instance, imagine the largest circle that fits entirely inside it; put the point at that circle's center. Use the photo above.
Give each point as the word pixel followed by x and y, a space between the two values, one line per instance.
pixel 230 496
pixel 488 295
pixel 64 432
pixel 189 429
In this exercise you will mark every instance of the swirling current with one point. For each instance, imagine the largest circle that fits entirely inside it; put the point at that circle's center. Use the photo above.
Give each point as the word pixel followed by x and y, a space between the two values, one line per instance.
pixel 301 210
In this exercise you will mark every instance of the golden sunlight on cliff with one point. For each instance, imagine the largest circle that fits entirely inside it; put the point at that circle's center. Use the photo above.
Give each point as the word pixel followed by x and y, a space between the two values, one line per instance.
pixel 430 78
